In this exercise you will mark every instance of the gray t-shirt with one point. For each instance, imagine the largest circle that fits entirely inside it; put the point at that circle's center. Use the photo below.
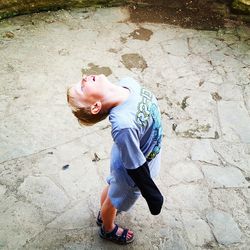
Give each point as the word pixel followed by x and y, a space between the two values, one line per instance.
pixel 136 126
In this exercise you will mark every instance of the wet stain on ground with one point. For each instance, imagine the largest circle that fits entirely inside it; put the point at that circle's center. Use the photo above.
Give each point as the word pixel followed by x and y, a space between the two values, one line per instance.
pixel 123 39
pixel 96 70
pixel 194 132
pixel 141 34
pixel 63 52
pixel 184 102
pixel 134 60
pixel 112 50
pixel 197 14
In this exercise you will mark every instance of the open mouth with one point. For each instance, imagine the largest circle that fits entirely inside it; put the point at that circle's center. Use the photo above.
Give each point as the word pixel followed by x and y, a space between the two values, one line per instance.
pixel 88 79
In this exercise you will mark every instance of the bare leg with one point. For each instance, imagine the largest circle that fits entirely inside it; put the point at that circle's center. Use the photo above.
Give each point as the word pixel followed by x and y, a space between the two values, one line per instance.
pixel 104 194
pixel 108 214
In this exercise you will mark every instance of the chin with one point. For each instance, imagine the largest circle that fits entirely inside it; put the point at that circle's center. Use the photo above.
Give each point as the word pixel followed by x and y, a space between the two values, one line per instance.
pixel 104 79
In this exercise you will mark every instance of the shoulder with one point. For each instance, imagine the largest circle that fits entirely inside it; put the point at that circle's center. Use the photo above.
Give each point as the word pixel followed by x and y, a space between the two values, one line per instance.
pixel 126 136
pixel 120 122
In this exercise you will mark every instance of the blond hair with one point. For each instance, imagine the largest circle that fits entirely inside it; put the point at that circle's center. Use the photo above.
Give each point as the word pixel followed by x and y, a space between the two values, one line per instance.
pixel 83 114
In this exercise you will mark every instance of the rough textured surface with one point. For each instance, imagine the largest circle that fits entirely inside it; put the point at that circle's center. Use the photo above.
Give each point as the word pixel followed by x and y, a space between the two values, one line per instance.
pixel 242 6
pixel 52 170
pixel 10 8
pixel 199 14
pixel 224 228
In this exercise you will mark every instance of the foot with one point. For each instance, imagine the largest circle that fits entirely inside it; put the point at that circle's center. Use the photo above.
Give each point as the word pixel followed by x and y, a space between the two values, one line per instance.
pixel 117 235
pixel 120 231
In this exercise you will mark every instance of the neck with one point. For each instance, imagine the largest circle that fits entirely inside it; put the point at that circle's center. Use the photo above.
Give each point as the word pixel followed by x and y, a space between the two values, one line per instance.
pixel 115 96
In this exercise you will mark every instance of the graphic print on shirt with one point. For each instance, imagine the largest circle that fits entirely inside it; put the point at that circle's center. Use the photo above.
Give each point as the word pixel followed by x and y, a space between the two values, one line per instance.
pixel 146 109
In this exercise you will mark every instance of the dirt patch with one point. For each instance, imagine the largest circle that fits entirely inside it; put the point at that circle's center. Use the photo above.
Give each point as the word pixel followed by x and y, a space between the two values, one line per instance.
pixel 96 70
pixel 141 34
pixel 134 60
pixel 196 14
pixel 216 96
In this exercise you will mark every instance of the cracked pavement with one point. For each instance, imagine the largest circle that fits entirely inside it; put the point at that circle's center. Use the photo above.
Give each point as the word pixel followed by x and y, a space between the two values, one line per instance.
pixel 52 170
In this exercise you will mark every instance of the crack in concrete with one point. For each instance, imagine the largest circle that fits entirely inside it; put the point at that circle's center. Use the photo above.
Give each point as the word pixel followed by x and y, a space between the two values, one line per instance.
pixel 49 148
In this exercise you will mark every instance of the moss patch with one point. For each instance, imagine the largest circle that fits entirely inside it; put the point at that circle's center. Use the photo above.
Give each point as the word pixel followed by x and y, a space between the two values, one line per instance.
pixel 10 8
pixel 241 6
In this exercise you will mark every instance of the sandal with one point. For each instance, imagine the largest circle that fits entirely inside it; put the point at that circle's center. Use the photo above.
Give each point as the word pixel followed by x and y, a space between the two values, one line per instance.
pixel 112 236
pixel 99 218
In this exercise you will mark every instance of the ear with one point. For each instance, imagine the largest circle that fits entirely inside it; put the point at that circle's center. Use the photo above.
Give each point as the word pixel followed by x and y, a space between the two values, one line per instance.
pixel 96 107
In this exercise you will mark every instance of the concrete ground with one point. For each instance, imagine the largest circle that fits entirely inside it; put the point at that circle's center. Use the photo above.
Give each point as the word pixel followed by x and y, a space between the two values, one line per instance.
pixel 52 170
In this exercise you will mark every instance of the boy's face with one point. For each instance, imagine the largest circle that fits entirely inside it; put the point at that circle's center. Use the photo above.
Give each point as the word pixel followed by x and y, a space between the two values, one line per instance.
pixel 89 90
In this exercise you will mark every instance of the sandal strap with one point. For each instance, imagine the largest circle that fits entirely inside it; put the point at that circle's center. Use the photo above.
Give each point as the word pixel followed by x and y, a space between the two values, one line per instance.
pixel 99 219
pixel 112 233
pixel 124 235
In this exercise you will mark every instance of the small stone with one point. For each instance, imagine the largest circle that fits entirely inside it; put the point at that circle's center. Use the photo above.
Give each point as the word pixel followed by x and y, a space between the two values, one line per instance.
pixel 174 126
pixel 65 167
pixel 96 158
pixel 49 21
pixel 247 178
pixel 201 82
pixel 9 34
pixel 216 96
pixel 216 135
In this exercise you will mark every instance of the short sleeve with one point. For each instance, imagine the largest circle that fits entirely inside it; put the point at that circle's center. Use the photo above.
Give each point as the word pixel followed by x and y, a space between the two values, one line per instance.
pixel 129 147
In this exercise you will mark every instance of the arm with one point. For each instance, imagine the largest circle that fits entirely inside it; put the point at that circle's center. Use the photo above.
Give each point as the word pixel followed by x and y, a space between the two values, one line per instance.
pixel 137 168
pixel 141 177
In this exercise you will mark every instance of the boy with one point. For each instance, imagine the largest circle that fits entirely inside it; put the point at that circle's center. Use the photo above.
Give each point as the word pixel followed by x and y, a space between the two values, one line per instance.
pixel 135 156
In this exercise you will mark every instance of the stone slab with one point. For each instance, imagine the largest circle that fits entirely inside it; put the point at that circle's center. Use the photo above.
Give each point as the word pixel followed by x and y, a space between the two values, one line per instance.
pixel 224 227
pixel 198 231
pixel 185 171
pixel 234 154
pixel 235 120
pixel 224 177
pixel 19 223
pixel 45 194
pixel 77 217
pixel 203 151
pixel 192 197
